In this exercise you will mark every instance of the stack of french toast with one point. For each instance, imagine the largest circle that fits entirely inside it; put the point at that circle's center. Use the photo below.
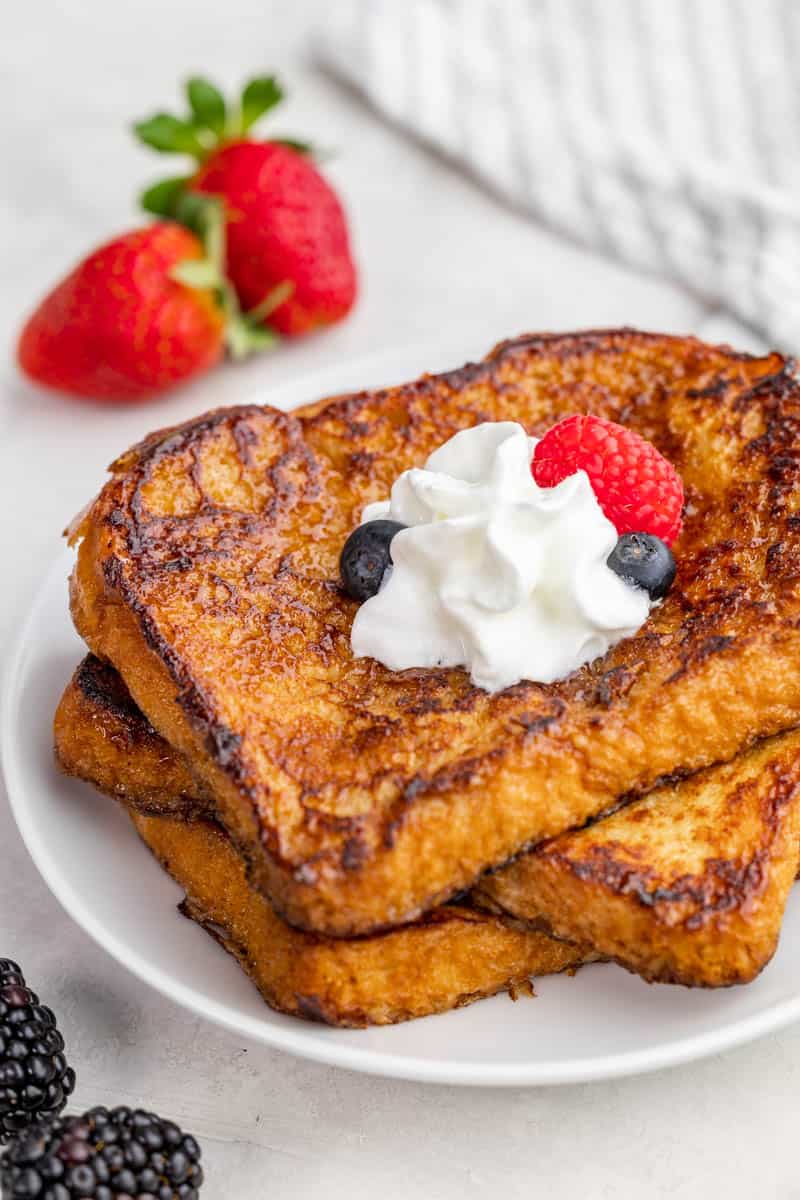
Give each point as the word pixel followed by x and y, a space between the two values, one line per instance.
pixel 375 845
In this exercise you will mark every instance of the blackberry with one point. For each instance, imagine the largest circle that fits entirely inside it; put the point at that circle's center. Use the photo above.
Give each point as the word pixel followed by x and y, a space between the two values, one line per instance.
pixel 115 1154
pixel 35 1080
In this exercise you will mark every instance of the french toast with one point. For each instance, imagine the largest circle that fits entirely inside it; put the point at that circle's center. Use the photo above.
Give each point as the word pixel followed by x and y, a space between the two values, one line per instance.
pixel 207 573
pixel 453 955
pixel 103 738
pixel 686 885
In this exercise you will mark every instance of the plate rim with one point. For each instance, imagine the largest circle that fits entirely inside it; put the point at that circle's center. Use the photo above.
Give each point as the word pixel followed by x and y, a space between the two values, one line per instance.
pixel 307 1041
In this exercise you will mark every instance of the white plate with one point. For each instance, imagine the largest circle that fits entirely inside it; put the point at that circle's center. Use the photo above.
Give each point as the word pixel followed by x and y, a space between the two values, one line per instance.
pixel 601 1023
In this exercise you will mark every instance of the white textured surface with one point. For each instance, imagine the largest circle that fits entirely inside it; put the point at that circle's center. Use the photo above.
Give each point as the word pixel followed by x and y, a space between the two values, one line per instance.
pixel 438 256
pixel 663 134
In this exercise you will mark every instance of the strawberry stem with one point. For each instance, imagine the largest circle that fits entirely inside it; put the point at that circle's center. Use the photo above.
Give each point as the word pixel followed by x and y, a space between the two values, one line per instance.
pixel 245 333
pixel 197 273
pixel 273 299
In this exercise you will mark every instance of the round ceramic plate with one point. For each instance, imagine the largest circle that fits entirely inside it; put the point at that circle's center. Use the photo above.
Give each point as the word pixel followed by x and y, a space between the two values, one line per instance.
pixel 600 1023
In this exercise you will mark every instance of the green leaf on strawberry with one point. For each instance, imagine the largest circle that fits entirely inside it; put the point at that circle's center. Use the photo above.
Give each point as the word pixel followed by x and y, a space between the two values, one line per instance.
pixel 258 97
pixel 198 213
pixel 170 135
pixel 162 198
pixel 207 103
pixel 211 122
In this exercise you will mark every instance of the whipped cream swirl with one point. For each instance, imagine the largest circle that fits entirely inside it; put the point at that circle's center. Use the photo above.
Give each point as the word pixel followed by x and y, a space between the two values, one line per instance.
pixel 494 573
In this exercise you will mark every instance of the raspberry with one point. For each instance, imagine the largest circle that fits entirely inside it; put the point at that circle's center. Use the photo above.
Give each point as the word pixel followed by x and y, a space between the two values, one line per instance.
pixel 637 489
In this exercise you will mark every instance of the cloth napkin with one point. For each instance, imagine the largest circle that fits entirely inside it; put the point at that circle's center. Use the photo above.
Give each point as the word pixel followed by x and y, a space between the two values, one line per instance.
pixel 663 132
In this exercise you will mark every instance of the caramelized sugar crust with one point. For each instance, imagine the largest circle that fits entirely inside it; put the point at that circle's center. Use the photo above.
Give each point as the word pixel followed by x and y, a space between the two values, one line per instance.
pixel 685 885
pixel 207 574
pixel 448 958
pixel 453 955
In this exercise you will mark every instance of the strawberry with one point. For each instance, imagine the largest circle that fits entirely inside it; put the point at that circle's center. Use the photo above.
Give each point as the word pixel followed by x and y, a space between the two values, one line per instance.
pixel 288 254
pixel 143 313
pixel 285 224
pixel 120 327
pixel 636 487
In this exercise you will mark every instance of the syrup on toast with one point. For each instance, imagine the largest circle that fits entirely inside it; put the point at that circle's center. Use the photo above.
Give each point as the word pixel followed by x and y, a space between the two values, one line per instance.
pixel 687 885
pixel 207 574
pixel 455 954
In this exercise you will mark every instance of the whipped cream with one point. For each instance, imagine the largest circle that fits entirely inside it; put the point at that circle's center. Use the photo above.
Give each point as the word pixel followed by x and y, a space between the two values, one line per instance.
pixel 494 573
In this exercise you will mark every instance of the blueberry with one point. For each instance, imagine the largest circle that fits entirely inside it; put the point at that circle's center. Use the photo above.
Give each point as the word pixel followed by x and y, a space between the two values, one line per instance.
pixel 644 561
pixel 365 557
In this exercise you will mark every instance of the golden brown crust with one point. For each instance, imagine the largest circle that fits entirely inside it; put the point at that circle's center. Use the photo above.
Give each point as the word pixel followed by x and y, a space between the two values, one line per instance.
pixel 103 738
pixel 207 574
pixel 686 885
pixel 451 957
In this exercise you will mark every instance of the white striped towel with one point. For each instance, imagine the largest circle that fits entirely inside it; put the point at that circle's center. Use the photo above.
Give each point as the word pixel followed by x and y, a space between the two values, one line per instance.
pixel 664 132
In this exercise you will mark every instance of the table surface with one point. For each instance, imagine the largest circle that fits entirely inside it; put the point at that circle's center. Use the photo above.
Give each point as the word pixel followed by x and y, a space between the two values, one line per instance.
pixel 439 257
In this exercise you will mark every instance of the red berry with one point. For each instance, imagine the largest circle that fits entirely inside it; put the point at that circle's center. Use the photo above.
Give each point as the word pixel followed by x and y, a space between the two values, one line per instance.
pixel 120 327
pixel 636 487
pixel 288 249
pixel 284 225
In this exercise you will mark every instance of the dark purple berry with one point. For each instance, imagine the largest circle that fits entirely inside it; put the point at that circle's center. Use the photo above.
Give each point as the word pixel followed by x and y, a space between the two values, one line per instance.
pixel 35 1080
pixel 366 557
pixel 102 1155
pixel 644 561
